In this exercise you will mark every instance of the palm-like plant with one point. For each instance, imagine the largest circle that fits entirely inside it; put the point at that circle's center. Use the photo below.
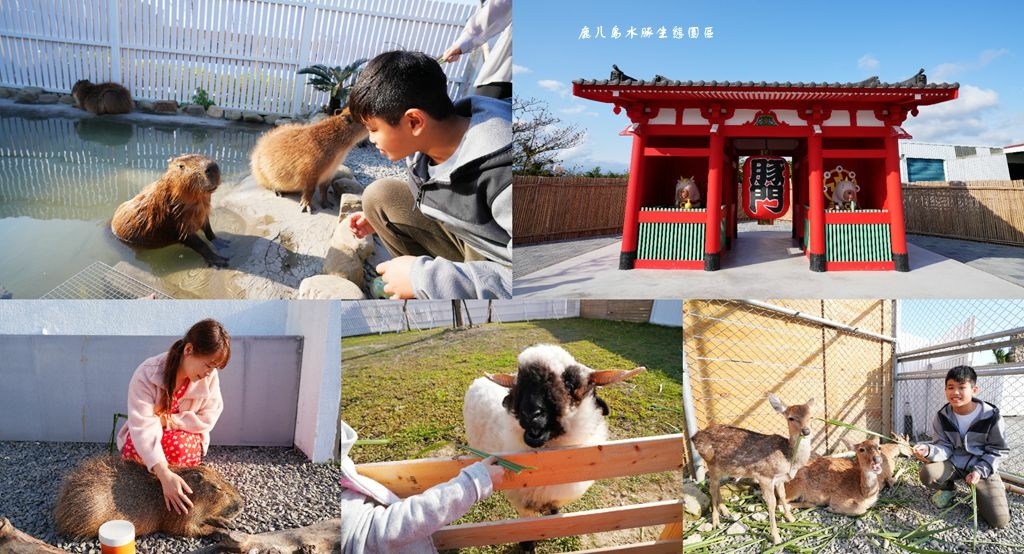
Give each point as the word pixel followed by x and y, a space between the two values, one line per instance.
pixel 332 80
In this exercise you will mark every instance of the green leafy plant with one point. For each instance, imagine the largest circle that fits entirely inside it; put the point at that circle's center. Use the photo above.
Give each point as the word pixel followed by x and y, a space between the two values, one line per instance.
pixel 201 98
pixel 332 81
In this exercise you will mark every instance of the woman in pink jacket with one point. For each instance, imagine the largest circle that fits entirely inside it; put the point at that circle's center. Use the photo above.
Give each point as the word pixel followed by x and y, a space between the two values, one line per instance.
pixel 173 403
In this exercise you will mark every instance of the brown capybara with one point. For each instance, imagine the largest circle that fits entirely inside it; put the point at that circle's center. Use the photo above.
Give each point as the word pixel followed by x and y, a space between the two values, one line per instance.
pixel 174 209
pixel 107 487
pixel 104 98
pixel 298 158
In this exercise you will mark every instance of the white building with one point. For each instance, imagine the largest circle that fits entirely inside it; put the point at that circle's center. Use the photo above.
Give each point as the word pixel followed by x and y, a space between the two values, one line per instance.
pixel 947 162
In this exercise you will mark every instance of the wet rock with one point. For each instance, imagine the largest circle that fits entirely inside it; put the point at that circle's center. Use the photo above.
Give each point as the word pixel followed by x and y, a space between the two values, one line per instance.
pixel 233 115
pixel 252 117
pixel 67 99
pixel 28 95
pixel 215 112
pixel 48 98
pixel 271 119
pixel 165 107
pixel 144 105
pixel 320 287
pixel 195 109
pixel 5 92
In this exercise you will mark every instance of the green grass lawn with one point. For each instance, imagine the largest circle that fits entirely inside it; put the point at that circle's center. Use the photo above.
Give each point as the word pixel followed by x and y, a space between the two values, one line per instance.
pixel 408 388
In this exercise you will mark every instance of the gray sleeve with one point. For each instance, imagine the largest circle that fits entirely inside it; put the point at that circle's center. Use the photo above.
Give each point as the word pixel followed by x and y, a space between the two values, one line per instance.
pixel 440 278
pixel 995 448
pixel 366 528
pixel 941 449
pixel 501 210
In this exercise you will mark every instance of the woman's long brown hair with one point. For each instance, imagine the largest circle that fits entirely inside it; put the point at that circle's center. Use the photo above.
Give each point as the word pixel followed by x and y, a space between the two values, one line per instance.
pixel 206 337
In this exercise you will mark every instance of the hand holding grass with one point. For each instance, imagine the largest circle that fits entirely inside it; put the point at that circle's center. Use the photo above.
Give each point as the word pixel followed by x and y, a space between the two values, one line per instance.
pixel 921 452
pixel 496 470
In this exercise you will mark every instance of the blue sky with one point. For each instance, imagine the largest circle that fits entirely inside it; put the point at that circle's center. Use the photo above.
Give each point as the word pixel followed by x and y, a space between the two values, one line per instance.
pixel 979 47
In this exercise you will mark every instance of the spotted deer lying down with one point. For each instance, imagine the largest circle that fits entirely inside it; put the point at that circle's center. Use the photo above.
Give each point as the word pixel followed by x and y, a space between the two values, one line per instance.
pixel 768 459
pixel 847 486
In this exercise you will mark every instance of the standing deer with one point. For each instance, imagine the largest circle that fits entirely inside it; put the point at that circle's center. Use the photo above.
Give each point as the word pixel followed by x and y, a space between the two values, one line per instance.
pixel 768 459
pixel 845 485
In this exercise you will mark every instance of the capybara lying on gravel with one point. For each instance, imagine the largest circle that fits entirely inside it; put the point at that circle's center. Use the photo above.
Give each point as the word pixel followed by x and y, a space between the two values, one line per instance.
pixel 107 487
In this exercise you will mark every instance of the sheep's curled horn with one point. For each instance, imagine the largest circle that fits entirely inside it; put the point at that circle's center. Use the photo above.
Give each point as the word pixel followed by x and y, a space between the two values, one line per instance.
pixel 599 378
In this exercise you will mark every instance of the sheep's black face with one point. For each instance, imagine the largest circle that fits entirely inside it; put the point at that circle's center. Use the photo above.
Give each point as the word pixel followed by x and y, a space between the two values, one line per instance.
pixel 540 398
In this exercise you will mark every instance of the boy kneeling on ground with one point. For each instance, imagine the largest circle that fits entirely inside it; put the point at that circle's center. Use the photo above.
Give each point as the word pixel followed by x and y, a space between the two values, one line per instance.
pixel 450 226
pixel 969 440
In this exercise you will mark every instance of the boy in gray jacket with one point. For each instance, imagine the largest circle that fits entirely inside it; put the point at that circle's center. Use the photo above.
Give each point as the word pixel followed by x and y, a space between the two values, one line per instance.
pixel 450 226
pixel 969 440
pixel 374 519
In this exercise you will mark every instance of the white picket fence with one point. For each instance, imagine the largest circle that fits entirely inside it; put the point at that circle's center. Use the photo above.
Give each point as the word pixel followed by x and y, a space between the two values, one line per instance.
pixel 244 53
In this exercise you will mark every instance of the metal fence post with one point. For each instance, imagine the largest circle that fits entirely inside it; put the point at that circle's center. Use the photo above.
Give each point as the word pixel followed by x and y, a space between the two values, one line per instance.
pixel 690 418
pixel 114 17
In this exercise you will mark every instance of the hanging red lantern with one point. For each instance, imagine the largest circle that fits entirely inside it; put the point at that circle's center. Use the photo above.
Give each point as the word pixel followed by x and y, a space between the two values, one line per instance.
pixel 765 187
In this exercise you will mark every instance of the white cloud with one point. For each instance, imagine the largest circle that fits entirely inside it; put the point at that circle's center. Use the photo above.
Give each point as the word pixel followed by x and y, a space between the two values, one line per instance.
pixel 519 69
pixel 555 86
pixel 950 70
pixel 578 108
pixel 973 118
pixel 867 62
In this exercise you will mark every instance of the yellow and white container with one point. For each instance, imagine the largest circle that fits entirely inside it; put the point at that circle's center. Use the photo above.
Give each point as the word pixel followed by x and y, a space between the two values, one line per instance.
pixel 117 537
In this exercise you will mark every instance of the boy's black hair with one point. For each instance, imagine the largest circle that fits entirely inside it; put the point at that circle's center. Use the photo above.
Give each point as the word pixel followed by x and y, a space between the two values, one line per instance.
pixel 962 374
pixel 396 81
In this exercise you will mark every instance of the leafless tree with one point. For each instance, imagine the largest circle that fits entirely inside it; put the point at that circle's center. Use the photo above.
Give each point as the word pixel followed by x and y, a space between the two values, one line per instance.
pixel 538 136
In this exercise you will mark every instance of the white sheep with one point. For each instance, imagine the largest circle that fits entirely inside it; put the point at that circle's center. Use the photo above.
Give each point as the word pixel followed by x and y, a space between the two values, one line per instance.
pixel 551 401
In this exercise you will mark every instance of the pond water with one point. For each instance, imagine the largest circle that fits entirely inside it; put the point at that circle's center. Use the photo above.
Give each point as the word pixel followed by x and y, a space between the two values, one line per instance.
pixel 62 178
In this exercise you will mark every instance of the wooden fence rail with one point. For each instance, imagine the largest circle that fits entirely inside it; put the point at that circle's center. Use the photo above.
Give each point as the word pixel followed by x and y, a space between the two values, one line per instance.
pixel 554 466
pixel 558 208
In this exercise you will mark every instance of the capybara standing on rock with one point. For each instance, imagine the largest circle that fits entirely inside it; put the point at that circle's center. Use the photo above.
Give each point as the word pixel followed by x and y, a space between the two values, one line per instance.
pixel 104 98
pixel 297 158
pixel 174 209
pixel 107 487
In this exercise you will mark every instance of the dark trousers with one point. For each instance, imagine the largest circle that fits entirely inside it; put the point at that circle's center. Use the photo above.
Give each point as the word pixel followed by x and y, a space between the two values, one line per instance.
pixel 500 89
pixel 992 506
pixel 404 230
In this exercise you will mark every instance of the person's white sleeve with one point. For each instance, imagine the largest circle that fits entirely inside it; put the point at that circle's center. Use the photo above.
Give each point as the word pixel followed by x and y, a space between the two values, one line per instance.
pixel 487 22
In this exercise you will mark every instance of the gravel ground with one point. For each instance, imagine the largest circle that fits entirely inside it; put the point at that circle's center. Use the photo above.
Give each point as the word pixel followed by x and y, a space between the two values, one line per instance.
pixel 899 510
pixel 281 488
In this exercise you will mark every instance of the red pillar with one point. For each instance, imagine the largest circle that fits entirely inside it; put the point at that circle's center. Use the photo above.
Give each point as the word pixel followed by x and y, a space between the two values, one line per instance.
pixel 894 203
pixel 816 214
pixel 712 231
pixel 634 194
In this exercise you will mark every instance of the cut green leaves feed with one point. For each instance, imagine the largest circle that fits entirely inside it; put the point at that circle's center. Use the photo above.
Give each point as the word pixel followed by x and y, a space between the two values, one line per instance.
pixel 511 466
pixel 796 448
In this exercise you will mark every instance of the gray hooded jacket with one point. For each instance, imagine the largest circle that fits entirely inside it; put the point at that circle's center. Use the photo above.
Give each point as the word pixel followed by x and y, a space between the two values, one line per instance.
pixel 375 520
pixel 980 448
pixel 471 195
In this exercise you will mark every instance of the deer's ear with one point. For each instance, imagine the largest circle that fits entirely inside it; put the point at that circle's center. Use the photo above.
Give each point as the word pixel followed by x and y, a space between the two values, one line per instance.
pixel 776 403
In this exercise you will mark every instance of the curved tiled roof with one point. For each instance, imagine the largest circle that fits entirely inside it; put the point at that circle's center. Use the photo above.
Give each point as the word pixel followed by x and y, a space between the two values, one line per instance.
pixel 918 81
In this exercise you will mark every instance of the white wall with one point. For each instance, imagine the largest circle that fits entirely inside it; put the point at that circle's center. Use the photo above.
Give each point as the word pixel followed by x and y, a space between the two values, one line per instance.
pixel 667 312
pixel 987 164
pixel 317 321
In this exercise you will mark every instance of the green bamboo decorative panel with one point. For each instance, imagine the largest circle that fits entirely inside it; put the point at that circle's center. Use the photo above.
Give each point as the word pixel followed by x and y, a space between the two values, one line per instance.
pixel 858 243
pixel 671 241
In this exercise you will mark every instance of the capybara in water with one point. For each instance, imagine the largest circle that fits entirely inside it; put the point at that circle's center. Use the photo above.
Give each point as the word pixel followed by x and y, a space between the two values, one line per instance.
pixel 103 98
pixel 297 158
pixel 107 487
pixel 174 209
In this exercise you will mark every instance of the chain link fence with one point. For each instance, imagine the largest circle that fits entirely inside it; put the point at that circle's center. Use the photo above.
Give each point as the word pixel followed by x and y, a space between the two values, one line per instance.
pixel 838 352
pixel 937 335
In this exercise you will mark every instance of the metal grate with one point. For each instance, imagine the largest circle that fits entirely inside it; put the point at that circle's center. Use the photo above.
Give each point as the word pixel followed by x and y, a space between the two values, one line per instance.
pixel 99 281
pixel 838 352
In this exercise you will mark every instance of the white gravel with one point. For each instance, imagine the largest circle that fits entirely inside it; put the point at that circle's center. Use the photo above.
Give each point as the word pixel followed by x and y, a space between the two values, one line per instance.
pixel 281 488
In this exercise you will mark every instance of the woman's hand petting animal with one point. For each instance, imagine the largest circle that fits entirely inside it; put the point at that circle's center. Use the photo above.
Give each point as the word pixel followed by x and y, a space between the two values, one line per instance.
pixel 397 276
pixel 359 225
pixel 175 489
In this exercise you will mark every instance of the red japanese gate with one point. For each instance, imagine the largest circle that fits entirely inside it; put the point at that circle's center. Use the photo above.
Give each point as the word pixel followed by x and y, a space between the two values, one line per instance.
pixel 702 128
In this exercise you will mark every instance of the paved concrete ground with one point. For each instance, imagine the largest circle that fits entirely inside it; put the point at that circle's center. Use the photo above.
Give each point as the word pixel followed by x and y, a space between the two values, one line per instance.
pixel 765 264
